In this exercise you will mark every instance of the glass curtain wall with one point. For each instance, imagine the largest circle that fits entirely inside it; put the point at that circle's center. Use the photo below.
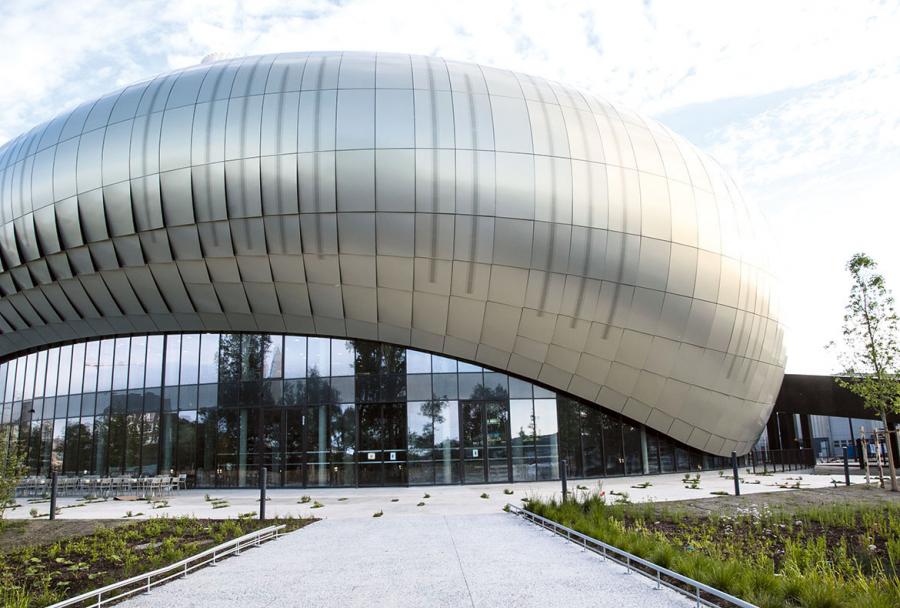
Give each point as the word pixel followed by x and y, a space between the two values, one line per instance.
pixel 313 411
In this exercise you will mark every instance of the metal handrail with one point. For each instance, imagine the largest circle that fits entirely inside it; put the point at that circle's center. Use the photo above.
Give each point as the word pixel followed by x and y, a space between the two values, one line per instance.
pixel 234 546
pixel 629 560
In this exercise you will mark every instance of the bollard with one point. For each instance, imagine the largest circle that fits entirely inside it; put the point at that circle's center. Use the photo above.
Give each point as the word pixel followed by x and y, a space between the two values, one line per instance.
pixel 263 474
pixel 846 467
pixel 53 495
pixel 737 482
pixel 562 477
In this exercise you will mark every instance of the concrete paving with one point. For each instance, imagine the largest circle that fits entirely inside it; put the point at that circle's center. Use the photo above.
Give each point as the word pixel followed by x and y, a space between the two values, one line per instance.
pixel 432 560
pixel 433 545
pixel 444 500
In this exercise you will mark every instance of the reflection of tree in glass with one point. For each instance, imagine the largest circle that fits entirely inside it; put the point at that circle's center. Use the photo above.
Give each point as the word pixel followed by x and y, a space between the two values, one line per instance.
pixel 229 358
pixel 486 393
pixel 380 371
pixel 241 356
pixel 319 390
pixel 431 413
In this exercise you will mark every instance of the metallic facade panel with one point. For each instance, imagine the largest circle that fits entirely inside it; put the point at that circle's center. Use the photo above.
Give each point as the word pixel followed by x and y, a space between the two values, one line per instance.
pixel 466 210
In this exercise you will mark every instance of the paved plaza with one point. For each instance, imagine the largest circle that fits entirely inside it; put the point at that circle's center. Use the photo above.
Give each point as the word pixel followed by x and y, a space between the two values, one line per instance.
pixel 431 546
pixel 433 560
pixel 341 503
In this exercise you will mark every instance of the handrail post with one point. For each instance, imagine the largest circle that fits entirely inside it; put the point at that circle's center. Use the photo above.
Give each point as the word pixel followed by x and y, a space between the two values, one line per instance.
pixel 846 467
pixel 263 474
pixel 734 469
pixel 562 476
pixel 53 495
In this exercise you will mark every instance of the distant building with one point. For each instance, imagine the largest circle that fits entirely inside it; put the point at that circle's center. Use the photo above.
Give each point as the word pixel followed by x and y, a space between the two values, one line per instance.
pixel 815 412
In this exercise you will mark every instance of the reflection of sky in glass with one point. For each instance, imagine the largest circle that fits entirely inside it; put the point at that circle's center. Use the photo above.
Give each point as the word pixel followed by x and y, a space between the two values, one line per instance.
pixel 342 358
pixel 294 357
pixel 318 356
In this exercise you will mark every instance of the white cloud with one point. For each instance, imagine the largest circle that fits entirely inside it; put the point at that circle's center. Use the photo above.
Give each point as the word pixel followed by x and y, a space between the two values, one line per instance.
pixel 817 145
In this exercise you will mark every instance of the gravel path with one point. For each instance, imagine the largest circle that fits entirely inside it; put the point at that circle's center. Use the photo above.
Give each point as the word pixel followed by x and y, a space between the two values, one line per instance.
pixel 432 560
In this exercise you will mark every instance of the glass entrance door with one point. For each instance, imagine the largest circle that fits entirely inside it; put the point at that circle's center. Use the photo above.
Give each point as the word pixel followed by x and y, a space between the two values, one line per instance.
pixel 381 458
pixel 473 442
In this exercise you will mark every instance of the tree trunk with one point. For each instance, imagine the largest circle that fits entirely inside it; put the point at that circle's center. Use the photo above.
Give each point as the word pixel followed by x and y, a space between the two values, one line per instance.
pixel 890 451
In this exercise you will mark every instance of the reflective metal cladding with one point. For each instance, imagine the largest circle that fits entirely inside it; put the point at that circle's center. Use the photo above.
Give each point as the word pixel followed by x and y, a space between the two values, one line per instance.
pixel 483 214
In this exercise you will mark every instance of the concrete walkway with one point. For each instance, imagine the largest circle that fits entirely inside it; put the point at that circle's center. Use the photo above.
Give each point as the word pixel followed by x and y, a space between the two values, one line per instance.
pixel 443 500
pixel 429 560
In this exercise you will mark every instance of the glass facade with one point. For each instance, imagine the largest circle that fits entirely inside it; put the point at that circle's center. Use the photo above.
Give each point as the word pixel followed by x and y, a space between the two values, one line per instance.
pixel 314 411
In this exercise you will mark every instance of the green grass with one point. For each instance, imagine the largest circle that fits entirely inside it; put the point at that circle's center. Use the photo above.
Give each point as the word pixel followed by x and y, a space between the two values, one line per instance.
pixel 39 575
pixel 819 557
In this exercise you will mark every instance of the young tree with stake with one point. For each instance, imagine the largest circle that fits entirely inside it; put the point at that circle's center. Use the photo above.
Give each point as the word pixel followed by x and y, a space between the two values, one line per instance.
pixel 871 353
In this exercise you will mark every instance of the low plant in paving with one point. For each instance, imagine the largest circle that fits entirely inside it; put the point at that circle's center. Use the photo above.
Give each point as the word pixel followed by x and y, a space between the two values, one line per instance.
pixel 824 556
pixel 485 495
pixel 38 575
pixel 378 513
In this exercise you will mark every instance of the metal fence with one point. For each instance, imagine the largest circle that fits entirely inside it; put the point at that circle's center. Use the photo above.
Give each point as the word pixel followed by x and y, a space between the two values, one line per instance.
pixel 775 461
pixel 704 595
pixel 148 580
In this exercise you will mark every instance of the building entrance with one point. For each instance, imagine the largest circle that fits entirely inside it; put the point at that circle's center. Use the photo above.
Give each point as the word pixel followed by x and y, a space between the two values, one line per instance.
pixel 381 457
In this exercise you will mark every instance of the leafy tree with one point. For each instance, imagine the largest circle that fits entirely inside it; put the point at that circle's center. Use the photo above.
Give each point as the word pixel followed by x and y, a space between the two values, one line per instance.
pixel 12 468
pixel 871 353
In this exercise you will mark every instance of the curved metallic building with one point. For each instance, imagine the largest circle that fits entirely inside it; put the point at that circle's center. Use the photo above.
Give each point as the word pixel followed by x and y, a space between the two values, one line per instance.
pixel 489 216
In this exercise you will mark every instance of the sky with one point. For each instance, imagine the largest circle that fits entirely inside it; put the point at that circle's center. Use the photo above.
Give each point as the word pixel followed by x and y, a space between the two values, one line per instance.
pixel 800 101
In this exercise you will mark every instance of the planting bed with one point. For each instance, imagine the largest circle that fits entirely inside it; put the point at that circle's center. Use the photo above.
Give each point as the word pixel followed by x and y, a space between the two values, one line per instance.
pixel 819 553
pixel 49 569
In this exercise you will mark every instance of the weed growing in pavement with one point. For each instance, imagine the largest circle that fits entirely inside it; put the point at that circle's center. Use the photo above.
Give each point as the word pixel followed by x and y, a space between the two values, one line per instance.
pixel 485 495
pixel 508 492
pixel 621 497
pixel 378 513
pixel 317 505
pixel 303 500
pixel 421 504
pixel 643 485
pixel 427 495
